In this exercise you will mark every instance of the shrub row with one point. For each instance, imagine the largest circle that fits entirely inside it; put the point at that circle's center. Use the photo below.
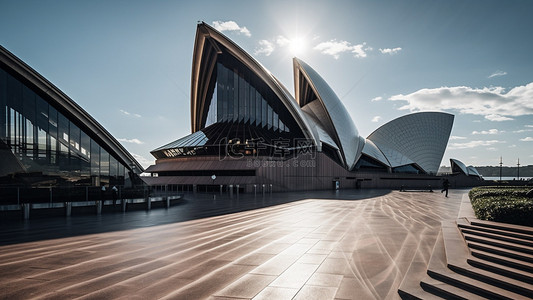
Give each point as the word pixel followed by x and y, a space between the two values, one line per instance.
pixel 502 204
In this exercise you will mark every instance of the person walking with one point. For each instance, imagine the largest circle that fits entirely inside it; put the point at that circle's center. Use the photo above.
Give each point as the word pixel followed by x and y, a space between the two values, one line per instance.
pixel 445 186
pixel 114 190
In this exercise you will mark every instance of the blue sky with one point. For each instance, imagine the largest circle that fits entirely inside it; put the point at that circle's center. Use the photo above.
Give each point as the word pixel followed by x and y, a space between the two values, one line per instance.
pixel 128 63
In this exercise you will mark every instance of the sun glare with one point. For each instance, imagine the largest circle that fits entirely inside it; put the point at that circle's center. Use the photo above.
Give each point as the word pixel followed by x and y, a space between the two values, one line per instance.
pixel 297 46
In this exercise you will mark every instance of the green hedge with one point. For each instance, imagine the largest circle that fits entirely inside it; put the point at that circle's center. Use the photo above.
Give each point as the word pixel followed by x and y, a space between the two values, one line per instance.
pixel 502 204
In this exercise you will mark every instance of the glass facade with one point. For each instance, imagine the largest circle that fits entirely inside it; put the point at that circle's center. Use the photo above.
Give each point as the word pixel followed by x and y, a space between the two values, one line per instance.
pixel 238 97
pixel 49 145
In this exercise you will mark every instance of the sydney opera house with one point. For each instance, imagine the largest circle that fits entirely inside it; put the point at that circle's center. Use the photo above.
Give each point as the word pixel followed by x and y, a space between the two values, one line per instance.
pixel 250 134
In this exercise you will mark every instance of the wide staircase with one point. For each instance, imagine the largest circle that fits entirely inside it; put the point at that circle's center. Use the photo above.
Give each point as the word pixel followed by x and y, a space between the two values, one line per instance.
pixel 475 259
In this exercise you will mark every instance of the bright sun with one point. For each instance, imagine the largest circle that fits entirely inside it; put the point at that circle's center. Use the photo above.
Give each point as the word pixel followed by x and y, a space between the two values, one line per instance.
pixel 297 46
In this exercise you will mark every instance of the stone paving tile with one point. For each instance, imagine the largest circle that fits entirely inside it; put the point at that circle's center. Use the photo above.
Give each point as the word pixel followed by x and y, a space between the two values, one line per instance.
pixel 327 280
pixel 246 287
pixel 277 293
pixel 315 248
pixel 295 276
pixel 316 293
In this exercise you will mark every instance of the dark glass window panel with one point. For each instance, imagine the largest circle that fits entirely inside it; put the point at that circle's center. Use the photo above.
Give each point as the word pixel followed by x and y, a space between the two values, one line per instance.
pixel 229 94
pixel 63 157
pixel 14 93
pixel 85 146
pixel 42 148
pixel 75 136
pixel 52 121
pixel 29 136
pixel 113 167
pixel 41 113
pixel 223 92
pixel 236 102
pixel 246 94
pixel 258 105
pixel 252 104
pixel 3 103
pixel 212 113
pixel 104 162
pixel 63 130
pixel 243 100
pixel 53 151
pixel 264 113
pixel 95 159
pixel 28 98
pixel 219 89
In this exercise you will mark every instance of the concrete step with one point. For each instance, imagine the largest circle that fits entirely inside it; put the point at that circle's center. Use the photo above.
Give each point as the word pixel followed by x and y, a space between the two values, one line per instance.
pixel 499 236
pixel 496 231
pixel 472 286
pixel 440 289
pixel 502 260
pixel 471 278
pixel 519 275
pixel 500 244
pixel 501 251
pixel 503 226
pixel 492 280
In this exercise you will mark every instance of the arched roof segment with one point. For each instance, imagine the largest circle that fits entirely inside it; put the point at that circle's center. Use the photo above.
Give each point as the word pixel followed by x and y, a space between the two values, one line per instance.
pixel 309 87
pixel 60 100
pixel 208 44
pixel 419 137
pixel 457 164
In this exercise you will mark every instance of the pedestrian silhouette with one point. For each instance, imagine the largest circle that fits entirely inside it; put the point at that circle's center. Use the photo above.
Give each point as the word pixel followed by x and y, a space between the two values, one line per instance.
pixel 445 186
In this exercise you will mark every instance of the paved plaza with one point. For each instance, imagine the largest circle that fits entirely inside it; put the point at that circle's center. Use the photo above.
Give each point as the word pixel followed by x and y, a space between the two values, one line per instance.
pixel 353 245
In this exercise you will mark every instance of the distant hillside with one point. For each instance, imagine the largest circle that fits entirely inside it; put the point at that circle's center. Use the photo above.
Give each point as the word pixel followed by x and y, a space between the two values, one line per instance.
pixel 525 171
pixel 491 171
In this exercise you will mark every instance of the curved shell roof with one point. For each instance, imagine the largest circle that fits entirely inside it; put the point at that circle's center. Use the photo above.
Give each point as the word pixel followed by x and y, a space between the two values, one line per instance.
pixel 459 164
pixel 373 151
pixel 329 110
pixel 204 51
pixel 419 137
pixel 470 170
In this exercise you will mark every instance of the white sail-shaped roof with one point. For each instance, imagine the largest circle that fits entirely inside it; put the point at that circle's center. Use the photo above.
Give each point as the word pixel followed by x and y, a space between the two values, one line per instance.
pixel 419 137
pixel 329 110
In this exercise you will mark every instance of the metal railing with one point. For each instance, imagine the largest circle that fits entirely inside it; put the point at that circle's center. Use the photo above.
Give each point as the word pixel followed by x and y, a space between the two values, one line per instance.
pixel 21 195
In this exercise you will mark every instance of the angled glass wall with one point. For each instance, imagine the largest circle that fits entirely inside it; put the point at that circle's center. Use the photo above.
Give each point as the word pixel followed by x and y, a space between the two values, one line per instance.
pixel 239 96
pixel 46 143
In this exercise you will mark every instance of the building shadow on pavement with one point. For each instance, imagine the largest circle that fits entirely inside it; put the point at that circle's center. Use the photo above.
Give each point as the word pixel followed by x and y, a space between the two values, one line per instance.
pixel 191 207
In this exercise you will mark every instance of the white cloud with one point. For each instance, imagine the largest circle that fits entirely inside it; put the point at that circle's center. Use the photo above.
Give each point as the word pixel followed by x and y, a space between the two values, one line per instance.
pixel 498 73
pixel 231 26
pixel 282 41
pixel 130 114
pixel 265 47
pixel 494 103
pixel 512 146
pixel 527 139
pixel 390 51
pixel 528 126
pixel 455 137
pixel 490 131
pixel 376 119
pixel 473 144
pixel 522 130
pixel 497 118
pixel 376 99
pixel 491 149
pixel 132 141
pixel 142 160
pixel 335 48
